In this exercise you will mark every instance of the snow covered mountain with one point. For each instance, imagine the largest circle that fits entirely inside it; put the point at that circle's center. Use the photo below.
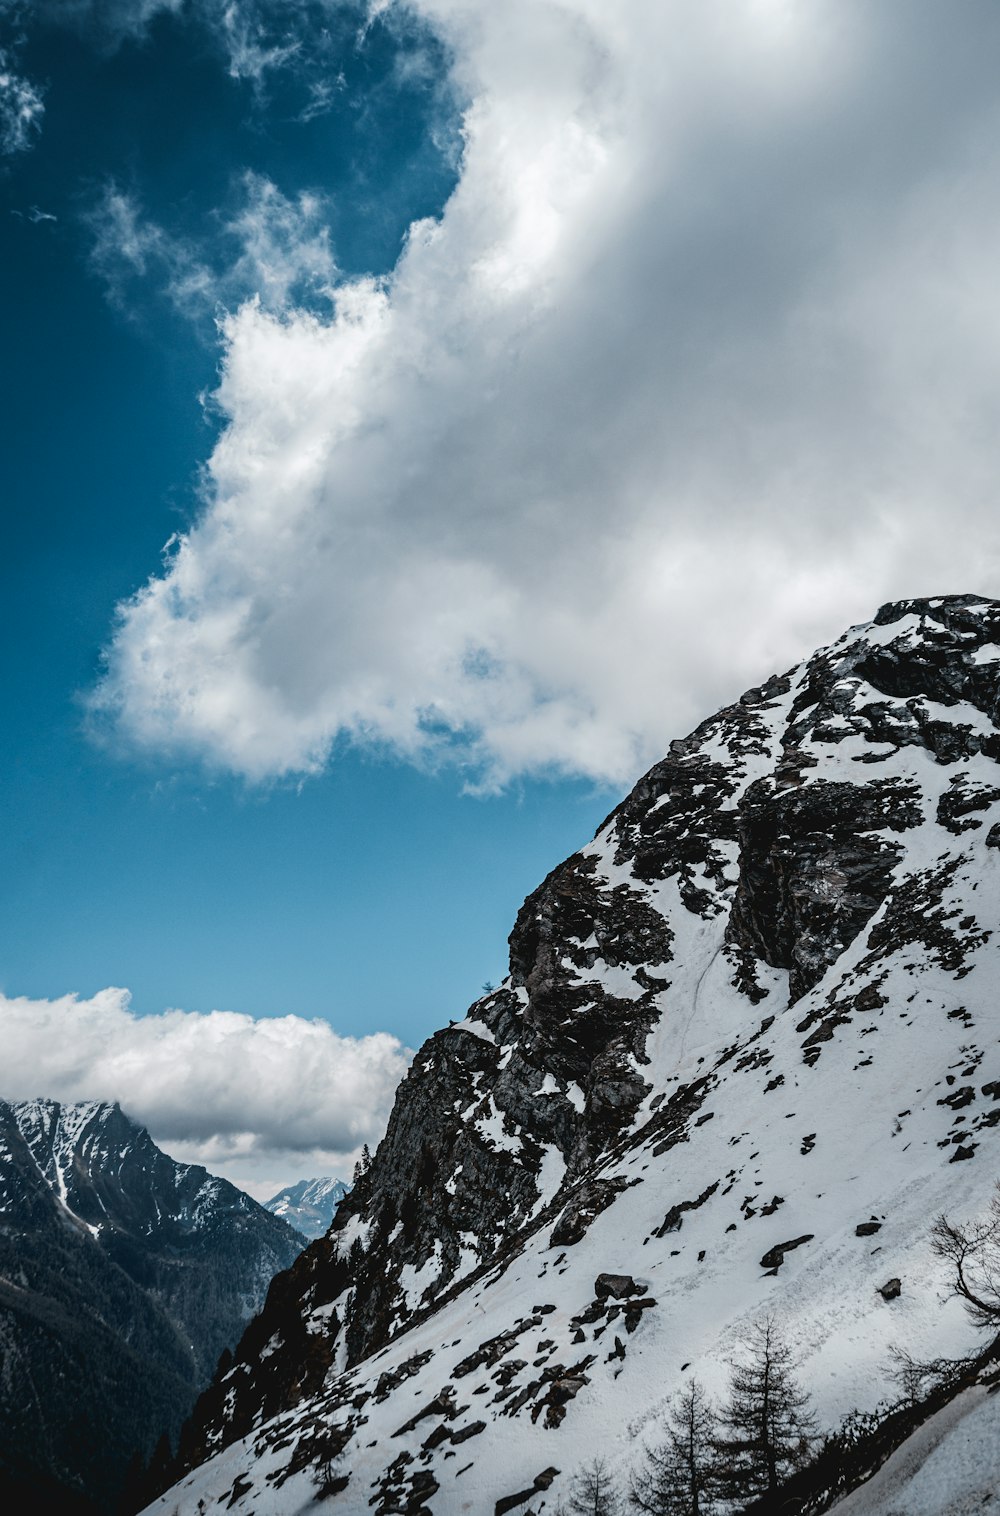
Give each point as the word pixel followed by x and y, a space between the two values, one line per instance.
pixel 310 1205
pixel 123 1277
pixel 748 1048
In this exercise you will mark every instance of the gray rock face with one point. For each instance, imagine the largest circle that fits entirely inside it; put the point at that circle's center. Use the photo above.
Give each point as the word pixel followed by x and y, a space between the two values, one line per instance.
pixel 744 921
pixel 123 1278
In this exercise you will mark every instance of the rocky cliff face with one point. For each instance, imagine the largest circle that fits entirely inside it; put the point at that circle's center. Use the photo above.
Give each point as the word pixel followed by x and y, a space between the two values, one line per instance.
pixel 748 1045
pixel 123 1277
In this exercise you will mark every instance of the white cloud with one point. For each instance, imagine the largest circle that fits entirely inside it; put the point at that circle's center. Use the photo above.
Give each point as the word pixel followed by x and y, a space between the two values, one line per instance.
pixel 262 1101
pixel 21 107
pixel 697 366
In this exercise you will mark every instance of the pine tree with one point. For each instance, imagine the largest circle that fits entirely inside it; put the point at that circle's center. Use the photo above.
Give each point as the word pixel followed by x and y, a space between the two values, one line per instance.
pixel 678 1477
pixel 767 1426
pixel 594 1492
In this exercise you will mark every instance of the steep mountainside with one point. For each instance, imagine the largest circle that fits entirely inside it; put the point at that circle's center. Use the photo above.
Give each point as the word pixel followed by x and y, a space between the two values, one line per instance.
pixel 123 1276
pixel 749 1045
pixel 310 1205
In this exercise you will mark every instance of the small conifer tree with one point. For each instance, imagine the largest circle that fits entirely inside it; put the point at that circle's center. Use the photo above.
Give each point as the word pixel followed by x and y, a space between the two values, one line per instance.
pixel 766 1425
pixel 678 1476
pixel 594 1492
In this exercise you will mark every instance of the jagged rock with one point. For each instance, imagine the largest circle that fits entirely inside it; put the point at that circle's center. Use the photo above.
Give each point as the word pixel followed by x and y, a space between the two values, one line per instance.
pixel 867 1228
pixel 891 1290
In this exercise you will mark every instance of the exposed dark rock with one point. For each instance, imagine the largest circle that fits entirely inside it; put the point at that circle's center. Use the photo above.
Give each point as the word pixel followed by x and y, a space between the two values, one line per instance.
pixel 510 1502
pixel 618 1285
pixel 775 1257
pixel 674 1219
pixel 810 877
pixel 589 1201
pixel 891 1290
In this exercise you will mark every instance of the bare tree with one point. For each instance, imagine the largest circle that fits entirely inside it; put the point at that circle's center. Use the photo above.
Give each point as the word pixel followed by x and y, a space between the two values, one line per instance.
pixel 594 1492
pixel 767 1425
pixel 973 1252
pixel 678 1477
pixel 916 1377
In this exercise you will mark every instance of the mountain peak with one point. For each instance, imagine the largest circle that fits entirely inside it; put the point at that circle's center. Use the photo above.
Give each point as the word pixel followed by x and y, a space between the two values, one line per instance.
pixel 310 1204
pixel 114 1256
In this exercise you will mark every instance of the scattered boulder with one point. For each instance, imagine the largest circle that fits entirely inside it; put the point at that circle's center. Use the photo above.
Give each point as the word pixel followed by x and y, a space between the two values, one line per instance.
pixel 619 1285
pixel 867 1228
pixel 891 1290
pixel 775 1257
pixel 472 1430
pixel 511 1502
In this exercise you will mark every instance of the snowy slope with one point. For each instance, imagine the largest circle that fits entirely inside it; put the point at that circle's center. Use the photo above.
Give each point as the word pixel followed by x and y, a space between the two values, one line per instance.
pixel 310 1205
pixel 759 1009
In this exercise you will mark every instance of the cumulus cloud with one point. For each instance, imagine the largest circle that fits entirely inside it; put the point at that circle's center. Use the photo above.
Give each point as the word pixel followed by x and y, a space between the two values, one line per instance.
pixel 697 365
pixel 262 1101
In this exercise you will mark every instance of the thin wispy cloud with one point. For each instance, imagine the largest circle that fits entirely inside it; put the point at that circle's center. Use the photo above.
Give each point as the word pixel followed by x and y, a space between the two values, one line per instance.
pixel 255 37
pixel 21 106
pixel 694 364
pixel 258 1100
pixel 272 249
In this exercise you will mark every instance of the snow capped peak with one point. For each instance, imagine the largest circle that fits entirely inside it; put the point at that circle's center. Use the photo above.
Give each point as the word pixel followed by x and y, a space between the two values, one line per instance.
pixel 310 1204
pixel 116 1261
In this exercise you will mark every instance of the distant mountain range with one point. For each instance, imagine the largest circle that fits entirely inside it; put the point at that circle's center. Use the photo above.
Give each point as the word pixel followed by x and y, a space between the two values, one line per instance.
pixel 124 1276
pixel 310 1205
pixel 747 1050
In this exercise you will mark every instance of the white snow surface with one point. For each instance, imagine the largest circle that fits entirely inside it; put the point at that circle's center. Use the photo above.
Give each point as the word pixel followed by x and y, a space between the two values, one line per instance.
pixel 779 1148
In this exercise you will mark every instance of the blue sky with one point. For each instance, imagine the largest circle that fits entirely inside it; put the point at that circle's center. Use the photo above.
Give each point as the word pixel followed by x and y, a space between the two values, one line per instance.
pixel 415 415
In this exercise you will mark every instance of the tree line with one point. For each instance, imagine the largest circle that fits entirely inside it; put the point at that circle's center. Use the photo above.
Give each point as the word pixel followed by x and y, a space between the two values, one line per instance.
pixel 715 1460
pixel 709 1458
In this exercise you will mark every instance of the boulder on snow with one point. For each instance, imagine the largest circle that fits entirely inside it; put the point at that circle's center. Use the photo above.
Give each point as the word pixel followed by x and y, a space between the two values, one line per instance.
pixel 619 1285
pixel 891 1290
pixel 511 1502
pixel 775 1257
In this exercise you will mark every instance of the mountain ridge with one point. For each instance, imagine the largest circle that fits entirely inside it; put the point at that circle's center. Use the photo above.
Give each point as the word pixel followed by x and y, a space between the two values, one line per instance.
pixel 702 1074
pixel 123 1278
